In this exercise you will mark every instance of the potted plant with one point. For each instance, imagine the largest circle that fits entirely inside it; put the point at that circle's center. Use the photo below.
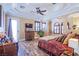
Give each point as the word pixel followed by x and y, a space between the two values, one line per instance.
pixel 41 33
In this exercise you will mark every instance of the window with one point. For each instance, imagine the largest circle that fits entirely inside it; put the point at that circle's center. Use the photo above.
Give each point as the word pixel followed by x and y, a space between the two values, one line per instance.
pixel 14 28
pixel 57 28
pixel 62 28
pixel 43 26
pixel 39 25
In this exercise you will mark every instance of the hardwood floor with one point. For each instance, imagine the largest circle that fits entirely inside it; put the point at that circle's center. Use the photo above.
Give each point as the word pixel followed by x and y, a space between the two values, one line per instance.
pixel 30 48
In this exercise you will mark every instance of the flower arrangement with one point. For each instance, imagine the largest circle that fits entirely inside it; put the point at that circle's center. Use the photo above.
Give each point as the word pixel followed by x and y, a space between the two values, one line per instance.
pixel 4 39
pixel 41 33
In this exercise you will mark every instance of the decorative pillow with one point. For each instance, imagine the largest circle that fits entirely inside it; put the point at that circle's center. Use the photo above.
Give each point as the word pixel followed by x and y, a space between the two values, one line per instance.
pixel 57 38
pixel 60 38
pixel 64 36
pixel 72 35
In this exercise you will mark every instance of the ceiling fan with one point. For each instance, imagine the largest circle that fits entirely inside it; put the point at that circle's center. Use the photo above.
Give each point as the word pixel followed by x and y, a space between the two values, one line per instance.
pixel 53 3
pixel 39 11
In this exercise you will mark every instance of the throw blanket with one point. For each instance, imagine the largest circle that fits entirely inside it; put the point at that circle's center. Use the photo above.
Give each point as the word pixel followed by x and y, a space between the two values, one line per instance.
pixel 52 46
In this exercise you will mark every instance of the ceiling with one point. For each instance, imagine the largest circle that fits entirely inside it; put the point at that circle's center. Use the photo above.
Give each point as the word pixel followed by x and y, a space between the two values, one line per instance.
pixel 74 15
pixel 28 10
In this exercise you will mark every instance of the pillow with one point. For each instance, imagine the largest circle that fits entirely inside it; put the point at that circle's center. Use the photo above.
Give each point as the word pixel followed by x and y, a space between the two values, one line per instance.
pixel 71 35
pixel 60 38
pixel 56 38
pixel 64 36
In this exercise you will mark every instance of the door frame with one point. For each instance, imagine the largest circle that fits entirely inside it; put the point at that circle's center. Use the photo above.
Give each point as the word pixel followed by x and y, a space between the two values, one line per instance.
pixel 18 27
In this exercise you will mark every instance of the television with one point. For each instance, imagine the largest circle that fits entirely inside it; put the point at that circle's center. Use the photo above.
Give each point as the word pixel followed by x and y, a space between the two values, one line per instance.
pixel 29 25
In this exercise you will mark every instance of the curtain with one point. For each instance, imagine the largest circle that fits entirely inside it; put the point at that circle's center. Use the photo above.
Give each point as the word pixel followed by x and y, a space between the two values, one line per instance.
pixel 10 29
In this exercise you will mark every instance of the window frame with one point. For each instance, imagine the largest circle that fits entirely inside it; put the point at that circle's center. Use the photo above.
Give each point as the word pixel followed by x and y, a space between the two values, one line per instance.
pixel 57 28
pixel 37 26
pixel 40 27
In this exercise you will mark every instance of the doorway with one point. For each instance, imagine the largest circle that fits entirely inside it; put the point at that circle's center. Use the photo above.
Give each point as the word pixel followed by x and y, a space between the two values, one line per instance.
pixel 14 29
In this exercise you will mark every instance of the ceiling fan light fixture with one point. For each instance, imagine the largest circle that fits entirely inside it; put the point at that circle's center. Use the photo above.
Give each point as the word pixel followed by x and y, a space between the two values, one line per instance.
pixel 53 3
pixel 22 6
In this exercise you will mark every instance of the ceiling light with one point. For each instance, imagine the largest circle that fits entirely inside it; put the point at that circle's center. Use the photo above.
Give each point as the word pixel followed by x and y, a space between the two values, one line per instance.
pixel 22 6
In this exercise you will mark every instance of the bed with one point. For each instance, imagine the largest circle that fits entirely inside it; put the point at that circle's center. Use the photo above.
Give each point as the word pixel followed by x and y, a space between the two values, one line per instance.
pixel 50 45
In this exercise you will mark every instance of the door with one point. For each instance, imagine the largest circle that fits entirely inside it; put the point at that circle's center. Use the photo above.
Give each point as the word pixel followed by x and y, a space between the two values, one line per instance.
pixel 14 29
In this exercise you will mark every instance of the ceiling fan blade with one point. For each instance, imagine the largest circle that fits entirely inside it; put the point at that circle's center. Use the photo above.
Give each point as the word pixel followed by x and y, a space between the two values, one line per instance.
pixel 41 13
pixel 53 3
pixel 37 7
pixel 43 10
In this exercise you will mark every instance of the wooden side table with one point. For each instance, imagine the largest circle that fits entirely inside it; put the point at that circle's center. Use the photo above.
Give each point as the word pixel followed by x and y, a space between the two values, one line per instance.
pixel 10 49
pixel 1 50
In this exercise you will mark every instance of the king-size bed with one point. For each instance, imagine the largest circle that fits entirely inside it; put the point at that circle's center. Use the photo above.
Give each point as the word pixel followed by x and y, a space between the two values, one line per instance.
pixel 53 45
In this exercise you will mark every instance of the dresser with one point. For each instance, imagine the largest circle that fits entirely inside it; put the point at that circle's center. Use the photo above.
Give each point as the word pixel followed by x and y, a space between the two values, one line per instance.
pixel 29 35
